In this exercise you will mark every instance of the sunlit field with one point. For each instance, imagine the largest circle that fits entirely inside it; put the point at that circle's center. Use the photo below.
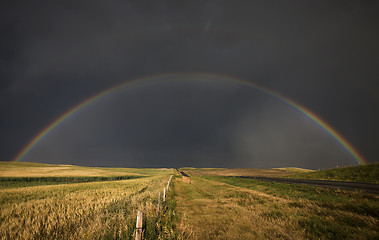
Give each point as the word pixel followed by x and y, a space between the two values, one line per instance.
pixel 253 172
pixel 42 201
pixel 363 174
pixel 215 206
pixel 28 169
pixel 85 210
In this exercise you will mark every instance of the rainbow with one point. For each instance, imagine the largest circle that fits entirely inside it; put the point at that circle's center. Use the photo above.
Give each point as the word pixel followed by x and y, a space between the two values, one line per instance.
pixel 211 77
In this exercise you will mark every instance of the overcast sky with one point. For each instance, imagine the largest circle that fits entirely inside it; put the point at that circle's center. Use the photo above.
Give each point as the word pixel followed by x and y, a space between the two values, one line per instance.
pixel 323 55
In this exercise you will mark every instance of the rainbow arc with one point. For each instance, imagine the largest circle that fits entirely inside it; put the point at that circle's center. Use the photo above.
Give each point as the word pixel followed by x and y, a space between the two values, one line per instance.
pixel 210 77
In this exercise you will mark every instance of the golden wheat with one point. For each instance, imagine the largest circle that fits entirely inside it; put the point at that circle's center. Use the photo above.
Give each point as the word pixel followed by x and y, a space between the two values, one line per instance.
pixel 77 211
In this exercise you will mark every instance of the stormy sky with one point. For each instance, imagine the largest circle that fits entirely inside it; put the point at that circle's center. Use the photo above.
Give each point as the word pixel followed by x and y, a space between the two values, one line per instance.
pixel 323 55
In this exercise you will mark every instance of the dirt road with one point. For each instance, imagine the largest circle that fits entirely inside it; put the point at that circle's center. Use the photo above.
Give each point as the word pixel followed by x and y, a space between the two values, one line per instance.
pixel 367 187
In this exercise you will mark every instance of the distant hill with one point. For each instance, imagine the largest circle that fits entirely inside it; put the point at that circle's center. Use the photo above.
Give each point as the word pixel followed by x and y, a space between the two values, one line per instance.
pixel 365 174
pixel 30 169
pixel 295 169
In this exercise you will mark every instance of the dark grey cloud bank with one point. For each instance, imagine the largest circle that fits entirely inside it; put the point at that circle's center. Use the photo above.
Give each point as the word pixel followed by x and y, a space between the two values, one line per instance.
pixel 323 54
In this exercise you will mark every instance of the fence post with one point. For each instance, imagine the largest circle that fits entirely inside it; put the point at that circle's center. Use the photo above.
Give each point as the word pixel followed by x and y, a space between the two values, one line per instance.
pixel 164 194
pixel 159 201
pixel 168 182
pixel 139 226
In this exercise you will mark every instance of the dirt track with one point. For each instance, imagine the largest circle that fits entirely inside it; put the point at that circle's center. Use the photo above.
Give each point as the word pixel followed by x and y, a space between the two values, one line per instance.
pixel 184 174
pixel 367 187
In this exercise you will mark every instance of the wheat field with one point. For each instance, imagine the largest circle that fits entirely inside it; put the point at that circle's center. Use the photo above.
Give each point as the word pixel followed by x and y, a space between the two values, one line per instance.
pixel 89 210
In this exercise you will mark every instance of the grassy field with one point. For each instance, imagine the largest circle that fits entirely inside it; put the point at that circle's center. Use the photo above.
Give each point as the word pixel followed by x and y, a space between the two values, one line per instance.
pixel 86 210
pixel 364 174
pixel 214 206
pixel 250 172
pixel 41 201
pixel 27 169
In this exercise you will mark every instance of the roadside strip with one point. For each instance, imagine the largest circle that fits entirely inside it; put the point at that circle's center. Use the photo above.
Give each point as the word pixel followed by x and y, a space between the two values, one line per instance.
pixel 367 187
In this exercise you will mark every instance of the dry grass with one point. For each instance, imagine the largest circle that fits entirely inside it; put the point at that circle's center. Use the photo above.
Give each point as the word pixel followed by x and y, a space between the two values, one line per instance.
pixel 251 172
pixel 186 179
pixel 214 210
pixel 95 210
pixel 23 169
pixel 211 207
pixel 296 170
pixel 75 211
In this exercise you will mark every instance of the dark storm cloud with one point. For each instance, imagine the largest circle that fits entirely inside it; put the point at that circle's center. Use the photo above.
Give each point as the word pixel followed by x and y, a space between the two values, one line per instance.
pixel 187 123
pixel 275 136
pixel 54 55
pixel 162 124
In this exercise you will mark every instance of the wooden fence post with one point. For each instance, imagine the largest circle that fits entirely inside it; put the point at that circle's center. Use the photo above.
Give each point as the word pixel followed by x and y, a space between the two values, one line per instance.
pixel 168 183
pixel 159 201
pixel 139 226
pixel 164 194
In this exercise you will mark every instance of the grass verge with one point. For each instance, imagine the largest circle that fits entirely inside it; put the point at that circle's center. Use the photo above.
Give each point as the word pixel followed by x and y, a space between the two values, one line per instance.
pixel 321 212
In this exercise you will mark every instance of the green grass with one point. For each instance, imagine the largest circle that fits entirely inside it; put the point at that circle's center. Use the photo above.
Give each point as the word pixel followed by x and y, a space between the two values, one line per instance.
pixel 365 174
pixel 334 214
pixel 326 197
pixel 166 222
